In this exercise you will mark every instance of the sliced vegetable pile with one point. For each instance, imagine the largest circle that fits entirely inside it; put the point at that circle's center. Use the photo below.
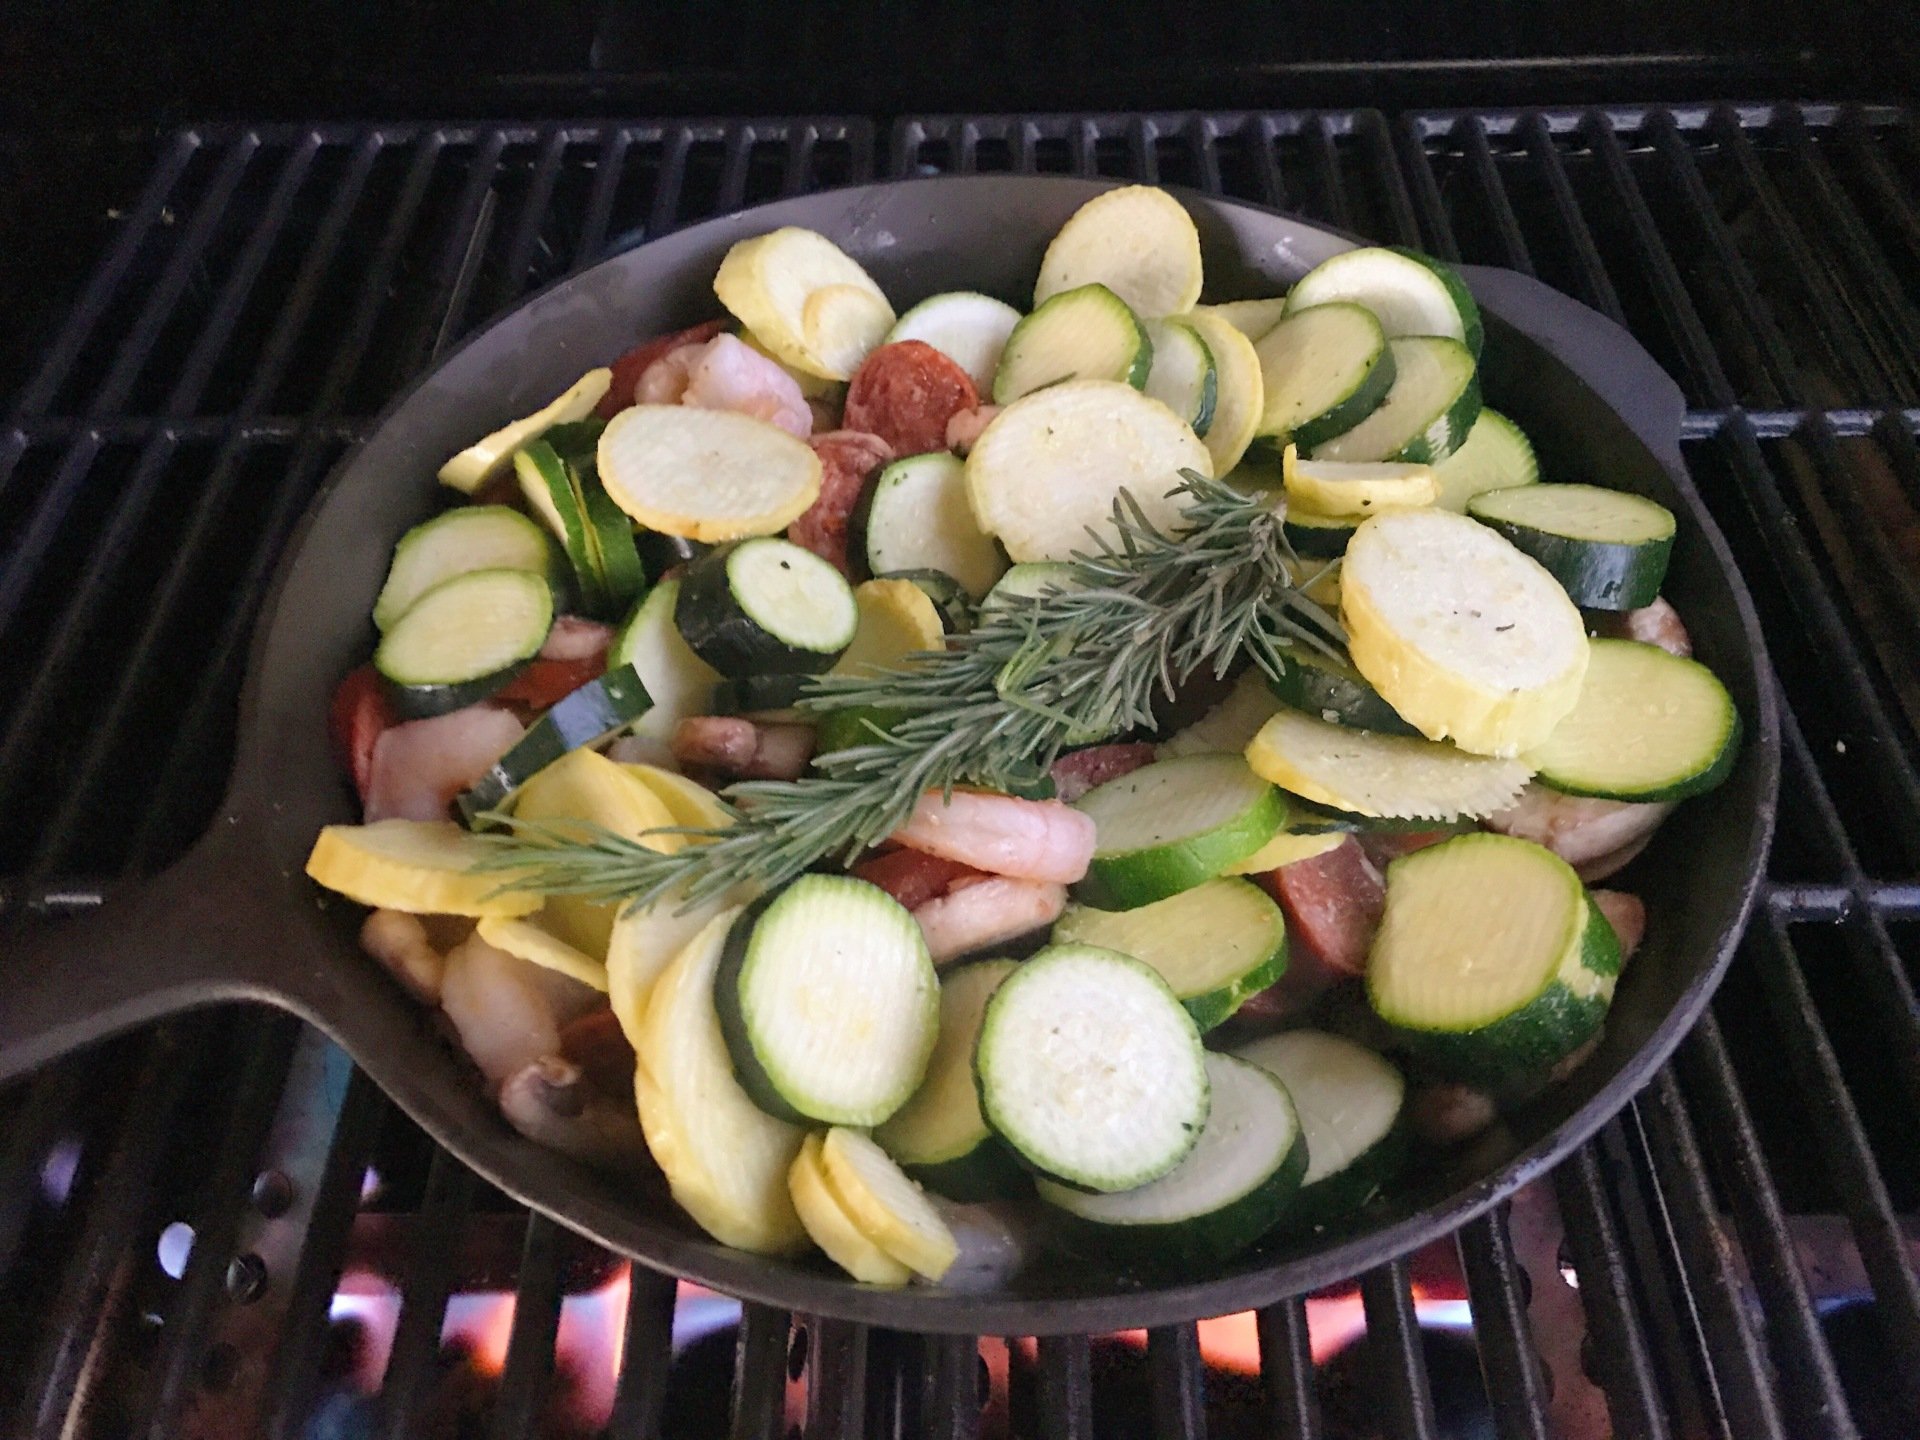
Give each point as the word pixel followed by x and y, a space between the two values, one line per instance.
pixel 1167 749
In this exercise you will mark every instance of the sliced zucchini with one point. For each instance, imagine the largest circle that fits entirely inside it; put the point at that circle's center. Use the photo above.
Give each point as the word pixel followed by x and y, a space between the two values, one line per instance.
pixel 939 1136
pixel 551 488
pixel 1389 776
pixel 662 553
pixel 1229 727
pixel 1426 415
pixel 1648 726
pixel 1491 961
pixel 1323 370
pixel 688 801
pixel 1240 394
pixel 1237 1183
pixel 1496 455
pixel 623 578
pixel 1353 490
pixel 481 462
pixel 1030 581
pixel 1289 846
pixel 765 606
pixel 466 538
pixel 725 1159
pixel 967 327
pixel 1608 549
pixel 771 696
pixel 464 639
pixel 885 1205
pixel 1413 294
pixel 1252 318
pixel 832 1228
pixel 1183 376
pixel 1321 685
pixel 598 709
pixel 680 682
pixel 424 867
pixel 1138 241
pixel 1175 824
pixel 1086 333
pixel 829 1002
pixel 1467 638
pixel 916 517
pixel 1351 1105
pixel 530 941
pixel 645 940
pixel 950 598
pixel 707 475
pixel 1215 944
pixel 806 300
pixel 1091 1069
pixel 1049 469
pixel 1318 537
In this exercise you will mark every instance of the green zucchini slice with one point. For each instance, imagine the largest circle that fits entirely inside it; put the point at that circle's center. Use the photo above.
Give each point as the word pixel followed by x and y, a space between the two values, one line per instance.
pixel 464 639
pixel 1607 548
pixel 765 606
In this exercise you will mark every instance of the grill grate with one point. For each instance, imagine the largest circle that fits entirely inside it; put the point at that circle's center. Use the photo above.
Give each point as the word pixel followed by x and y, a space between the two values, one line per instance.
pixel 1743 1239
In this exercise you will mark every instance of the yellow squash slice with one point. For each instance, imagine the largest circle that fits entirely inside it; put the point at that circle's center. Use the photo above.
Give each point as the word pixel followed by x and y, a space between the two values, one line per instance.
pixel 1388 776
pixel 1138 241
pixel 708 475
pixel 424 867
pixel 832 1228
pixel 896 620
pixel 1343 489
pixel 480 462
pixel 1284 849
pixel 688 801
pixel 805 299
pixel 889 1208
pixel 1240 392
pixel 530 941
pixel 1463 635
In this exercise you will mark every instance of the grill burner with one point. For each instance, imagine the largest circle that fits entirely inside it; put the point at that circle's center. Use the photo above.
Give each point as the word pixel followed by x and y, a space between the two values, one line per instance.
pixel 189 358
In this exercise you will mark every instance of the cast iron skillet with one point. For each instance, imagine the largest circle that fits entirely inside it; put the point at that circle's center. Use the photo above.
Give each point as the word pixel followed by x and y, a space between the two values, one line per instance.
pixel 237 920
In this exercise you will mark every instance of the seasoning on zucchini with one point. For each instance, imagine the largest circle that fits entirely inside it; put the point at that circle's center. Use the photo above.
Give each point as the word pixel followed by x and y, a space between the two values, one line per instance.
pixel 468 537
pixel 765 606
pixel 1086 333
pixel 1237 1183
pixel 1607 548
pixel 1091 1070
pixel 1491 961
pixel 1496 455
pixel 1325 368
pixel 1425 417
pixel 1648 726
pixel 1216 944
pixel 589 715
pixel 1183 376
pixel 464 639
pixel 916 517
pixel 1173 825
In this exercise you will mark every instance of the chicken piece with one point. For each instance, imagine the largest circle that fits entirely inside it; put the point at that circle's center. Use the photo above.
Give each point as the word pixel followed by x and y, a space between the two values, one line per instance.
pixel 401 943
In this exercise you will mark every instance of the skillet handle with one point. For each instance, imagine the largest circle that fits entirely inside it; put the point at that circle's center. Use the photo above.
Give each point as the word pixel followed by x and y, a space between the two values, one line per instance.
pixel 187 937
pixel 1614 365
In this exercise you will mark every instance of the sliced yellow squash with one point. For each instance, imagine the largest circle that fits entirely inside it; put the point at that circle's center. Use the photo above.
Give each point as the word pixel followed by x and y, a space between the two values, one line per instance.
pixel 896 620
pixel 889 1208
pixel 645 940
pixel 1337 489
pixel 832 1228
pixel 708 475
pixel 1464 636
pixel 725 1159
pixel 1388 776
pixel 1239 394
pixel 1284 849
pixel 530 941
pixel 688 801
pixel 814 387
pixel 1137 241
pixel 805 299
pixel 424 867
pixel 480 462
pixel 584 785
pixel 1252 318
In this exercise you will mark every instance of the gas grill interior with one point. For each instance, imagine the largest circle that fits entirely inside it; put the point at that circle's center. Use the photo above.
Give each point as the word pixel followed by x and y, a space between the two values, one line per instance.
pixel 217 1227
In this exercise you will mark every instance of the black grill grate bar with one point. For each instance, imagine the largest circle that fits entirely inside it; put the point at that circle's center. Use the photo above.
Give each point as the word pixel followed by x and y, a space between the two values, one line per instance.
pixel 1596 286
pixel 1424 191
pixel 1893 202
pixel 519 262
pixel 1516 1387
pixel 759 1374
pixel 453 273
pixel 1326 169
pixel 1846 421
pixel 204 526
pixel 1803 1363
pixel 1399 1363
pixel 256 1096
pixel 51 1103
pixel 530 1343
pixel 1471 132
pixel 1854 520
pixel 1286 1371
pixel 295 1367
pixel 645 1356
pixel 1623 1367
pixel 950 1388
pixel 1066 1387
pixel 837 1380
pixel 1178 1379
pixel 424 1290
pixel 608 164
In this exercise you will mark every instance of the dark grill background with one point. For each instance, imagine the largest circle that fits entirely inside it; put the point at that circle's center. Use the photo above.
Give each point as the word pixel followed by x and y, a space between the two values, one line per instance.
pixel 202 321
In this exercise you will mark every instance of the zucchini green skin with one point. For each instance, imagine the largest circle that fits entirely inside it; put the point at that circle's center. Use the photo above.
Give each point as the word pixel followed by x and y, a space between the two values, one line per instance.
pixel 1596 574
pixel 586 717
pixel 747 1069
pixel 716 628
pixel 1332 1200
pixel 949 597
pixel 1318 539
pixel 416 698
pixel 989 1171
pixel 660 553
pixel 405 572
pixel 1047 315
pixel 1321 685
pixel 1528 1040
pixel 1359 403
pixel 1710 778
pixel 1475 338
pixel 757 694
pixel 1217 1005
pixel 422 702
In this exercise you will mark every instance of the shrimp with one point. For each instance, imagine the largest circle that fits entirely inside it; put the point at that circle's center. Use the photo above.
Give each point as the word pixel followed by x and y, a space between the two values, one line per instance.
pixel 550 1101
pixel 1027 839
pixel 420 766
pixel 401 943
pixel 1655 624
pixel 728 374
pixel 740 747
pixel 965 427
pixel 1445 1112
pixel 985 913
pixel 1596 837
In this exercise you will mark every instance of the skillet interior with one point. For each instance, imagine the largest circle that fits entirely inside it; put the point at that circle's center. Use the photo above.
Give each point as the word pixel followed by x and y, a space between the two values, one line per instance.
pixel 1594 403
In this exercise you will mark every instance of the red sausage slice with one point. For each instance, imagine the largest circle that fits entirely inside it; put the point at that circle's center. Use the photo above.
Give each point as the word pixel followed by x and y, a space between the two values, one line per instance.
pixel 913 878
pixel 627 369
pixel 906 393
pixel 1333 904
pixel 356 719
pixel 1077 773
pixel 847 458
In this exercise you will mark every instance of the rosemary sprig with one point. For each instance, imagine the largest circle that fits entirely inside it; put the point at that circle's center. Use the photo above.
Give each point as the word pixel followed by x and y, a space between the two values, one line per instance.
pixel 1150 609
